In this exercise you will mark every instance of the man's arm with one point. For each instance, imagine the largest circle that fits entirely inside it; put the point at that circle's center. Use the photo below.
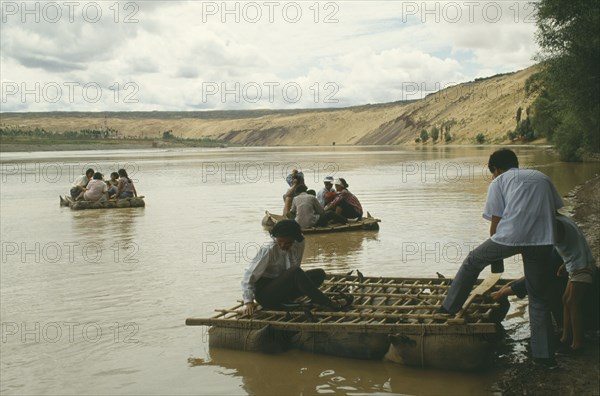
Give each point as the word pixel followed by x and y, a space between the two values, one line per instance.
pixel 494 224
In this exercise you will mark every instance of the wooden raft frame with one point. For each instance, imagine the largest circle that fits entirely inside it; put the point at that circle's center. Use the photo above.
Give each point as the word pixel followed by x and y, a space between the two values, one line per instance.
pixel 381 305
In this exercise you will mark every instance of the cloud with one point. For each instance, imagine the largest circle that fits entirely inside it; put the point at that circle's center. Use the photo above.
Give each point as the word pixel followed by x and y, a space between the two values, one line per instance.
pixel 350 52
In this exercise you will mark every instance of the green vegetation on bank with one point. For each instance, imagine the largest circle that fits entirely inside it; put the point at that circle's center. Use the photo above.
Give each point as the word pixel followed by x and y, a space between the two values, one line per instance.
pixel 567 107
pixel 96 136
pixel 436 132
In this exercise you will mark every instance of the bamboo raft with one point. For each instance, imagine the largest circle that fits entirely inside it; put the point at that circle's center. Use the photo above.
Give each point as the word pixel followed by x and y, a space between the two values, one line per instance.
pixel 134 202
pixel 390 318
pixel 366 223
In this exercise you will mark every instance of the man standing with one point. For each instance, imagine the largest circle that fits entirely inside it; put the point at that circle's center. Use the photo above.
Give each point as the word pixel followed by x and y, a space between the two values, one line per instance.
pixel 521 205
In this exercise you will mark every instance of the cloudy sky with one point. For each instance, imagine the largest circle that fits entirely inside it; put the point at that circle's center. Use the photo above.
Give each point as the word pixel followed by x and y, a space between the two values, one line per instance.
pixel 204 55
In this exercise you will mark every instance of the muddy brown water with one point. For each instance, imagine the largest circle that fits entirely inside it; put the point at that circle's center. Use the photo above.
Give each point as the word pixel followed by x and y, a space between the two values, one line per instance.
pixel 94 302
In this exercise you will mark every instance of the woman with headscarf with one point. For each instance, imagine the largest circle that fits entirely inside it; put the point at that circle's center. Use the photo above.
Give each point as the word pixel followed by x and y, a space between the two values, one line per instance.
pixel 345 203
pixel 274 276
pixel 294 180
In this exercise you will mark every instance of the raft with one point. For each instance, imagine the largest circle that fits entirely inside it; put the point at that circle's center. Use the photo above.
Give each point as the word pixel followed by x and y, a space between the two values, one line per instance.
pixel 134 202
pixel 392 319
pixel 366 223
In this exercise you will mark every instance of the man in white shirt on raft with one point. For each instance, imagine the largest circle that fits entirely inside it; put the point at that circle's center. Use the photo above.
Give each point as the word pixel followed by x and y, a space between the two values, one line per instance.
pixel 521 205
pixel 327 187
pixel 306 209
pixel 80 184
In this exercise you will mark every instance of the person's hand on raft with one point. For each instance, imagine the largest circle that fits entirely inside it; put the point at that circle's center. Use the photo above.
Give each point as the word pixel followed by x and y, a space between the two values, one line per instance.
pixel 249 308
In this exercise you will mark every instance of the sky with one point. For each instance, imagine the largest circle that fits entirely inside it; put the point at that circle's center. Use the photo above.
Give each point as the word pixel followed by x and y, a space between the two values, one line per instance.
pixel 233 55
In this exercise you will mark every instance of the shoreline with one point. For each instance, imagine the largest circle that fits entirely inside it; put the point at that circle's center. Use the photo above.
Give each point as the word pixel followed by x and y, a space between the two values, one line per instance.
pixel 40 145
pixel 576 375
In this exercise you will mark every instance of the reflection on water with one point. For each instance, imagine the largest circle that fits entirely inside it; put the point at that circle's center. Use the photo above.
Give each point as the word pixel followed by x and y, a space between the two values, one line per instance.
pixel 128 275
pixel 338 252
pixel 113 225
pixel 309 374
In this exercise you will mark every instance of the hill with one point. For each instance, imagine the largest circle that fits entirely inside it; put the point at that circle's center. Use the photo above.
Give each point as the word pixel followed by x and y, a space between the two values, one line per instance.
pixel 485 106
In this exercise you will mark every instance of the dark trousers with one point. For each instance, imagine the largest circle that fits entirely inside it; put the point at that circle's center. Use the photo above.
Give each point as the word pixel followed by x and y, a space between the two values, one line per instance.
pixel 538 277
pixel 557 285
pixel 330 215
pixel 75 192
pixel 348 211
pixel 295 282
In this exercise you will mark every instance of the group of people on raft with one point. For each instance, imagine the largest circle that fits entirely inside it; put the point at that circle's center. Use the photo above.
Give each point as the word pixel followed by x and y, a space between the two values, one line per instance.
pixel 521 206
pixel 92 187
pixel 334 203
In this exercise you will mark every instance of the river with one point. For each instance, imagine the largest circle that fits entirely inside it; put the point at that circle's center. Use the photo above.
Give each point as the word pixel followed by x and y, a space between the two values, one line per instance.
pixel 94 302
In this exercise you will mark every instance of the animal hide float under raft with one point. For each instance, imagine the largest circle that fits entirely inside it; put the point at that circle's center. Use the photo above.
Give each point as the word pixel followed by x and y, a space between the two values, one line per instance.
pixel 391 318
pixel 366 223
pixel 134 202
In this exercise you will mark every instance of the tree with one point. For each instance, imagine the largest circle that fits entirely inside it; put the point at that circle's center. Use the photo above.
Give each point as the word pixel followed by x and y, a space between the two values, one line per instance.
pixel 480 138
pixel 424 135
pixel 525 131
pixel 569 38
pixel 519 111
pixel 435 133
pixel 545 117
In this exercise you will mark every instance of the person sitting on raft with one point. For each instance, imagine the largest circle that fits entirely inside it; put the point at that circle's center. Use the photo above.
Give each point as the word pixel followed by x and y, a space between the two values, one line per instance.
pixel 125 188
pixel 79 186
pixel 113 184
pixel 294 180
pixel 308 212
pixel 345 203
pixel 306 209
pixel 96 189
pixel 327 187
pixel 274 276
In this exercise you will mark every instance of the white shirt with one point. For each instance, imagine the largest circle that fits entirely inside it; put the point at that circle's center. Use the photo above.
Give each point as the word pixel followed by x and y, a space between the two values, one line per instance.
pixel 307 210
pixel 573 248
pixel 81 181
pixel 526 201
pixel 270 262
pixel 321 195
pixel 95 190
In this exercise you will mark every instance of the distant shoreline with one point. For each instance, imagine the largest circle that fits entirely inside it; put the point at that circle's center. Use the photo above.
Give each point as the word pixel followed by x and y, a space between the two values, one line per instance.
pixel 12 145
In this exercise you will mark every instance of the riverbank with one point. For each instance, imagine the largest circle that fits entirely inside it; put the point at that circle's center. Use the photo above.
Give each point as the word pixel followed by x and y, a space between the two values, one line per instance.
pixel 11 145
pixel 480 111
pixel 577 375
